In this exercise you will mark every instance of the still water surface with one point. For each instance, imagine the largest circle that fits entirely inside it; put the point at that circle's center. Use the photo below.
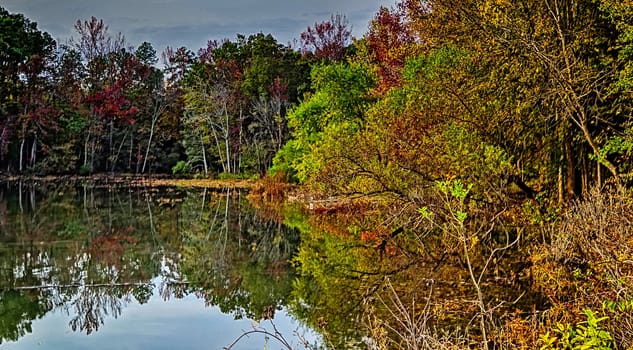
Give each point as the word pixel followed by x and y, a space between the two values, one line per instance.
pixel 101 267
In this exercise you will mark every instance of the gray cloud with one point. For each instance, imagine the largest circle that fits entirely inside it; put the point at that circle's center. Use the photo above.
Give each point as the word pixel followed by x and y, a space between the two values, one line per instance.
pixel 192 23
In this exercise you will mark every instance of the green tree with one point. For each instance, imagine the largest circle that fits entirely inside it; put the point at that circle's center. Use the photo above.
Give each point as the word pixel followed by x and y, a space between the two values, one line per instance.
pixel 326 118
pixel 23 51
pixel 238 92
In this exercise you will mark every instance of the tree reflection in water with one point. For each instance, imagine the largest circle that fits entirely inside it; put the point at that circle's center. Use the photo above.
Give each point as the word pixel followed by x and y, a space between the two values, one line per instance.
pixel 91 306
pixel 17 312
pixel 232 257
pixel 92 251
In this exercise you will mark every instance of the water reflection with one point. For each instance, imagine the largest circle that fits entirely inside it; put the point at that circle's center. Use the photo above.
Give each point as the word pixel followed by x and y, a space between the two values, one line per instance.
pixel 92 252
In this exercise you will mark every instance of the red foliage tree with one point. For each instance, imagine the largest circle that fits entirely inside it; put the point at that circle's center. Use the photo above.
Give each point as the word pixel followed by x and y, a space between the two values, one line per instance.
pixel 390 41
pixel 95 39
pixel 328 39
pixel 112 104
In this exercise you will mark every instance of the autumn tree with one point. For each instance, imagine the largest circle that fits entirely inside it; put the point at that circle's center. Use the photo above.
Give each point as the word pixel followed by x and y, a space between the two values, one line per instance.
pixel 95 44
pixel 327 40
pixel 238 93
pixel 390 41
pixel 23 54
pixel 95 39
pixel 114 75
pixel 177 64
pixel 573 49
pixel 156 97
pixel 546 77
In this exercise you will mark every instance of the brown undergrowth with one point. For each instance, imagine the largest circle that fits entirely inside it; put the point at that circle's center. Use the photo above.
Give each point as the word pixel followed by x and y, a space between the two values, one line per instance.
pixel 271 189
pixel 588 264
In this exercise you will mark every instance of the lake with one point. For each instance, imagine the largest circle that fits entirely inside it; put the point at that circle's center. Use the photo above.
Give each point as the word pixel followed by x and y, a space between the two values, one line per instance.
pixel 117 267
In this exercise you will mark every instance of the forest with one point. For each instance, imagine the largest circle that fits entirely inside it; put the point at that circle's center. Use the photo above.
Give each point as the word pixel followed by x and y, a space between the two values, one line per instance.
pixel 485 144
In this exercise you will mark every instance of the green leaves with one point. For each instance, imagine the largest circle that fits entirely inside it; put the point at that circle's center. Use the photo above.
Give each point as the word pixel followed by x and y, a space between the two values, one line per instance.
pixel 431 67
pixel 620 306
pixel 424 211
pixel 327 122
pixel 345 87
pixel 586 335
pixel 456 188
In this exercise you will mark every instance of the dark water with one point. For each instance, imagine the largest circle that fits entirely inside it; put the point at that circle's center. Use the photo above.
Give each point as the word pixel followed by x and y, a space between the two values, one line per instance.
pixel 85 266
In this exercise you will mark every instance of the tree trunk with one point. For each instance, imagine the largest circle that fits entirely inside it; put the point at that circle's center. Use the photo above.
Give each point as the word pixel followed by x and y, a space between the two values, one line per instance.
pixel 33 152
pixel 204 156
pixel 570 183
pixel 561 192
pixel 219 147
pixel 131 154
pixel 227 141
pixel 110 146
pixel 115 157
pixel 87 148
pixel 21 154
pixel 149 143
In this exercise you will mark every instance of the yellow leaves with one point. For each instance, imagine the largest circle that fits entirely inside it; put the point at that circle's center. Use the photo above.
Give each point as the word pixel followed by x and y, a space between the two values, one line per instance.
pixel 473 242
pixel 495 11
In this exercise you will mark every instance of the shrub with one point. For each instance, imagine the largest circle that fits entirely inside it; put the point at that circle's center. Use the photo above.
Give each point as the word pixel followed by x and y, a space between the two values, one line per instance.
pixel 589 261
pixel 586 335
pixel 85 170
pixel 181 168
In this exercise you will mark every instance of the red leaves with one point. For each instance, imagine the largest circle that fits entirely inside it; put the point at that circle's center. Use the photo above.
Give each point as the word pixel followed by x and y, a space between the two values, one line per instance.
pixel 369 236
pixel 229 70
pixel 327 40
pixel 95 40
pixel 133 70
pixel 390 40
pixel 279 90
pixel 205 55
pixel 43 118
pixel 111 103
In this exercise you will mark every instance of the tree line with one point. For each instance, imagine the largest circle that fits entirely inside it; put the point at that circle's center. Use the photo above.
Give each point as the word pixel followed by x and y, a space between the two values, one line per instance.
pixel 533 93
pixel 538 92
pixel 97 104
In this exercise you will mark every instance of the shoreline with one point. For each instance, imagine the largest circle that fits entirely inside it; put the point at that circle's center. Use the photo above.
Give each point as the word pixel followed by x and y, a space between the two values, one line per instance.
pixel 155 180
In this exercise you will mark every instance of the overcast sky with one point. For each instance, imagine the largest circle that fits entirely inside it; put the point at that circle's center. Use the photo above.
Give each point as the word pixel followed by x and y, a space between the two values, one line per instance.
pixel 191 23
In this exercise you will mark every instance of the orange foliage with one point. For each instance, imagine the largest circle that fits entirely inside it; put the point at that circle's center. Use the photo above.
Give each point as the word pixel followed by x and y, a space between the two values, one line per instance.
pixel 110 248
pixel 368 236
pixel 271 189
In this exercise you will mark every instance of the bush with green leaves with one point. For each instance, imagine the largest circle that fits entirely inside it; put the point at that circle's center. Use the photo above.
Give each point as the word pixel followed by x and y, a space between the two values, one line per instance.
pixel 587 334
pixel 181 168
